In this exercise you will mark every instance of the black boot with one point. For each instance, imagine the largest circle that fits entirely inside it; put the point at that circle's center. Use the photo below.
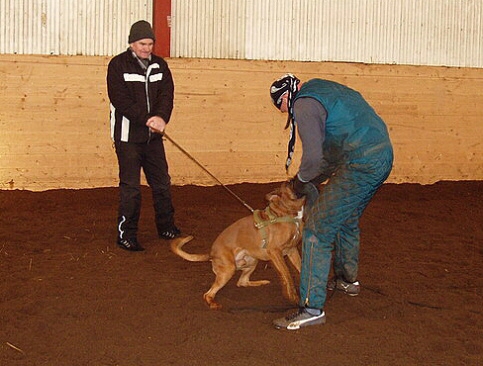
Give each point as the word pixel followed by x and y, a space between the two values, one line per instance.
pixel 130 244
pixel 169 234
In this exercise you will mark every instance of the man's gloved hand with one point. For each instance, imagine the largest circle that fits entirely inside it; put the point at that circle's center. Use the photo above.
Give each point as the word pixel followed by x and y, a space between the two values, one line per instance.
pixel 321 178
pixel 307 189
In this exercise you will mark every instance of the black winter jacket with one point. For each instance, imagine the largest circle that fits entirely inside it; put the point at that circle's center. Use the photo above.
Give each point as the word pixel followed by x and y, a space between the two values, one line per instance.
pixel 137 94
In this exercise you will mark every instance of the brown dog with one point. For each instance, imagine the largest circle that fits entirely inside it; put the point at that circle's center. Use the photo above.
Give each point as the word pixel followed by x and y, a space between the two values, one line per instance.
pixel 266 235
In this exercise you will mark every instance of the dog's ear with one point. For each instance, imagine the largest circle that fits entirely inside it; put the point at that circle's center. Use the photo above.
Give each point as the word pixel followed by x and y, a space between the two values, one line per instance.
pixel 273 195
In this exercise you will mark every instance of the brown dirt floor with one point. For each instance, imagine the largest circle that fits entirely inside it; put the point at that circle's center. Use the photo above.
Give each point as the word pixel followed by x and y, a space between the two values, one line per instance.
pixel 69 296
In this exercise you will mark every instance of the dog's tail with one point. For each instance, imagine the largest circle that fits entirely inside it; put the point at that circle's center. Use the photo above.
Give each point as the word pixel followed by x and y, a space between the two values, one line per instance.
pixel 177 248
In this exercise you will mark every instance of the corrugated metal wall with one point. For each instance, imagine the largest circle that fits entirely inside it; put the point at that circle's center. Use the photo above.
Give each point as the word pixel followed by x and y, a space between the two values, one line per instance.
pixel 430 32
pixel 69 27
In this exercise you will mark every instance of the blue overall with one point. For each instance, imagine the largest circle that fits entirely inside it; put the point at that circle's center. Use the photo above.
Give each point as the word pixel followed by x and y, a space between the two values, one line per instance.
pixel 359 156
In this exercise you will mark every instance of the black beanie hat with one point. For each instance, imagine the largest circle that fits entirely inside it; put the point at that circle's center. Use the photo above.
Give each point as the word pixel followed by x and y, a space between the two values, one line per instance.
pixel 140 30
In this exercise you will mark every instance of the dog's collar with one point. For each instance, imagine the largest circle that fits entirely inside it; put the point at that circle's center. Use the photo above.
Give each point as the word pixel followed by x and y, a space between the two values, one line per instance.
pixel 261 224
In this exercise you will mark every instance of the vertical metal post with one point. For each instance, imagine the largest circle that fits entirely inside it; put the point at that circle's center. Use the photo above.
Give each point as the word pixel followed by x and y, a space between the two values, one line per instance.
pixel 162 27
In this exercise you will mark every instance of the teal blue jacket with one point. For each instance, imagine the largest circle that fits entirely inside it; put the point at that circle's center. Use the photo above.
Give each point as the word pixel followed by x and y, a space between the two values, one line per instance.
pixel 353 130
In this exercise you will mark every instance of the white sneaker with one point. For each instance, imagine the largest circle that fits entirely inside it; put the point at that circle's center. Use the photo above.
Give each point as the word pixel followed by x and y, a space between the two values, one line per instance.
pixel 351 289
pixel 299 318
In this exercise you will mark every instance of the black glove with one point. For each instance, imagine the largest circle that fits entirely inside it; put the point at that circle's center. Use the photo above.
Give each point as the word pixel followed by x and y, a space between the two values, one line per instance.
pixel 307 189
pixel 321 178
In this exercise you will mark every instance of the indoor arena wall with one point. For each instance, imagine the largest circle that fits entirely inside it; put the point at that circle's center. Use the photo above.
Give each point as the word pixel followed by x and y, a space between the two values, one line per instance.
pixel 54 120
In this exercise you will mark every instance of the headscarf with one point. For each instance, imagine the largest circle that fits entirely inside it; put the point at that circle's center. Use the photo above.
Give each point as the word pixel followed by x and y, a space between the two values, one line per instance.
pixel 286 84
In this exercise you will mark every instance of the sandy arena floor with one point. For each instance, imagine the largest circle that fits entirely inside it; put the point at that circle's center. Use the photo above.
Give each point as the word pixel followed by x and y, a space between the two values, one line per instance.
pixel 69 296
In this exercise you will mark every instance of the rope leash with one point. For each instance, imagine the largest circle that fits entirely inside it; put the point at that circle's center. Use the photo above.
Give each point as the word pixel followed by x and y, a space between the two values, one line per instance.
pixel 207 171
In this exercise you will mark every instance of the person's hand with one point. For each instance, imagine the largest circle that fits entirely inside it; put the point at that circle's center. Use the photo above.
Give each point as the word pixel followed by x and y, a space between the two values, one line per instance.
pixel 156 124
pixel 321 178
pixel 307 189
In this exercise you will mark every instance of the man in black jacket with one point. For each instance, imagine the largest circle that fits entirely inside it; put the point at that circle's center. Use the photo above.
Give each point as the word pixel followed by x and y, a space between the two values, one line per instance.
pixel 141 90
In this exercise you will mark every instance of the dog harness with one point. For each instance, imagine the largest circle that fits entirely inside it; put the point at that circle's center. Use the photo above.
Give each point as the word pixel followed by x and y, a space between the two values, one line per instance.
pixel 261 224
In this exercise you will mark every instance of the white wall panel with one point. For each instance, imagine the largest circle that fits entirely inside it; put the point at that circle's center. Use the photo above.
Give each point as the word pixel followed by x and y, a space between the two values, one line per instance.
pixel 430 32
pixel 69 27
pixel 209 28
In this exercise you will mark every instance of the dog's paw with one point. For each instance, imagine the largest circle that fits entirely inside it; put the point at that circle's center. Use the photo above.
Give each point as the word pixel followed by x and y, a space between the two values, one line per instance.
pixel 215 306
pixel 211 302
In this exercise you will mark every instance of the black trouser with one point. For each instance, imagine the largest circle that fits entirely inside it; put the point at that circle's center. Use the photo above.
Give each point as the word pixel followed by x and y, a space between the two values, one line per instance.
pixel 152 158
